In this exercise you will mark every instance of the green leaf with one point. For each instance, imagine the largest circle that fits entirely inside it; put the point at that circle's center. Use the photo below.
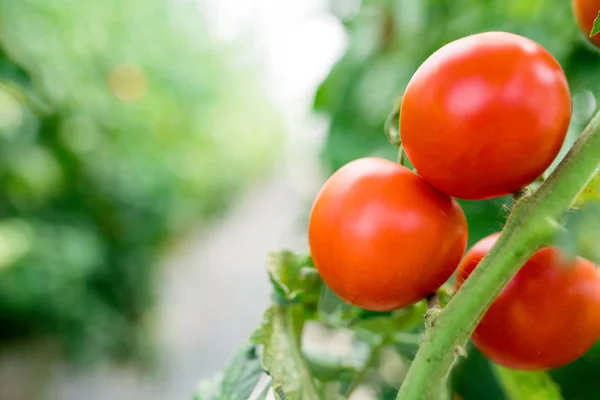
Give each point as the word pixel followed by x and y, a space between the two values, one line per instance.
pixel 370 326
pixel 527 385
pixel 280 333
pixel 390 324
pixel 294 277
pixel 237 381
pixel 596 27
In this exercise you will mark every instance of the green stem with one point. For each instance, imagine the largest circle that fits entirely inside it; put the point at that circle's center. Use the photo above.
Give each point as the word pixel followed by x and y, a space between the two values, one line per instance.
pixel 531 226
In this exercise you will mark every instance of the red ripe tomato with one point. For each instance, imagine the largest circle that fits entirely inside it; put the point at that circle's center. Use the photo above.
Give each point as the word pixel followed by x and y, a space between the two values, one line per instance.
pixel 381 237
pixel 485 115
pixel 547 316
pixel 586 12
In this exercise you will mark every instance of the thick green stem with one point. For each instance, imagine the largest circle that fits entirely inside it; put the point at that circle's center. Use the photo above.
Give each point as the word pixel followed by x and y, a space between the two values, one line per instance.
pixel 531 226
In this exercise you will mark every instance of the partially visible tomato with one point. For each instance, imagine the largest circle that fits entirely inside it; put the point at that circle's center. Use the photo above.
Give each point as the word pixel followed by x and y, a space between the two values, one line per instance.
pixel 547 316
pixel 586 12
pixel 381 237
pixel 485 115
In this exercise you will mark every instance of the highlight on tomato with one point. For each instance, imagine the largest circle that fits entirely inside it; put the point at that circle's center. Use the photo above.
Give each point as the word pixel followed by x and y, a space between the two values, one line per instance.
pixel 485 115
pixel 547 316
pixel 381 237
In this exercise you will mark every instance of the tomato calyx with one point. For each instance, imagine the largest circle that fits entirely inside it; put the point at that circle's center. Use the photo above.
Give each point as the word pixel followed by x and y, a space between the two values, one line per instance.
pixel 391 126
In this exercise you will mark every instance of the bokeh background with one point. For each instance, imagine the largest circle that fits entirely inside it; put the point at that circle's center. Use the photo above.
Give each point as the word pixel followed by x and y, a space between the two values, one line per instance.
pixel 152 152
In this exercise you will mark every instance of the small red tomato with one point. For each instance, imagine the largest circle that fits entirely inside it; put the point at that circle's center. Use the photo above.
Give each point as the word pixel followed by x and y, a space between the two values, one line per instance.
pixel 586 12
pixel 485 115
pixel 547 316
pixel 381 237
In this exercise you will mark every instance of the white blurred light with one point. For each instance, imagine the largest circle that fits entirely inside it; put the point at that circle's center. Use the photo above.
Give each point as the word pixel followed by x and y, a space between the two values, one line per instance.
pixel 300 41
pixel 346 10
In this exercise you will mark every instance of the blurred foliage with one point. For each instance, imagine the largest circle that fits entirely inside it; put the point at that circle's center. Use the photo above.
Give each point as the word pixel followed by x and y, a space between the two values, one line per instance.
pixel 121 127
pixel 581 234
pixel 388 40
pixel 527 385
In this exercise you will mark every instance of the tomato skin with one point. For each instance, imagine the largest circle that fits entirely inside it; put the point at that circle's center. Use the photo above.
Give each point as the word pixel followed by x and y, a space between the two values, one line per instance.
pixel 547 316
pixel 485 115
pixel 585 12
pixel 381 237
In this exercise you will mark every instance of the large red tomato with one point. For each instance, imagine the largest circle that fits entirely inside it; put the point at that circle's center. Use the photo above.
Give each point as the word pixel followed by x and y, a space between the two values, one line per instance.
pixel 485 115
pixel 381 237
pixel 547 316
pixel 586 12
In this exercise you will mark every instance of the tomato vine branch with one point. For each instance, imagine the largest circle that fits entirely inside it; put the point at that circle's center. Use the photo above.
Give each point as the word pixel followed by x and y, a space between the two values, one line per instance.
pixel 531 225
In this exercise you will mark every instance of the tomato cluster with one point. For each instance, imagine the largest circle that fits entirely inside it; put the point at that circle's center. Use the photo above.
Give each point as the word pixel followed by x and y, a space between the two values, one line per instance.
pixel 482 117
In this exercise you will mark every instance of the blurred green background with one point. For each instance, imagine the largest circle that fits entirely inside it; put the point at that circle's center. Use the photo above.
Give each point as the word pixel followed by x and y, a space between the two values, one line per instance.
pixel 388 40
pixel 122 127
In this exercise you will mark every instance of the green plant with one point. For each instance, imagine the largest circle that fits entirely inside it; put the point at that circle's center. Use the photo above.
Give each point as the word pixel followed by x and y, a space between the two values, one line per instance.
pixel 421 348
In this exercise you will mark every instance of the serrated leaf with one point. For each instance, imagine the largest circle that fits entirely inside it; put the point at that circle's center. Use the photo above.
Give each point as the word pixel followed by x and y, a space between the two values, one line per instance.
pixel 236 381
pixel 596 27
pixel 294 277
pixel 527 385
pixel 280 335
pixel 590 193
